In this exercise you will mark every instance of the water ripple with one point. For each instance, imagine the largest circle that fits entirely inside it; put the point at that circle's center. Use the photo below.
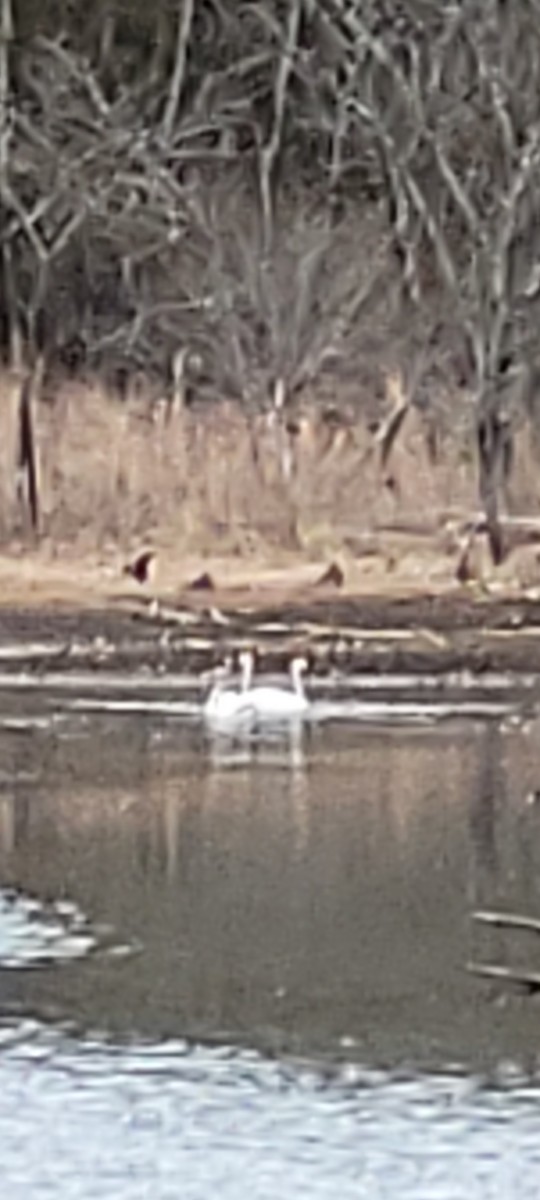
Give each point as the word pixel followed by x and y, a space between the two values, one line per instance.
pixel 87 1120
pixel 33 934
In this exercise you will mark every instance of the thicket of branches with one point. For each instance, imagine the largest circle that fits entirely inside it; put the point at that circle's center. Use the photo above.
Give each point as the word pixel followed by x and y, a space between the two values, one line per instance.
pixel 248 184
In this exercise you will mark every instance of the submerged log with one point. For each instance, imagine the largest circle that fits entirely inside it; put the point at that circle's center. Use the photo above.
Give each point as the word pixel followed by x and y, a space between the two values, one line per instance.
pixel 507 920
pixel 528 980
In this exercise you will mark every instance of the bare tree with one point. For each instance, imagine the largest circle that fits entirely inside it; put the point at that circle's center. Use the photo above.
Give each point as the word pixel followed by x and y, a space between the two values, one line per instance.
pixel 265 184
pixel 451 108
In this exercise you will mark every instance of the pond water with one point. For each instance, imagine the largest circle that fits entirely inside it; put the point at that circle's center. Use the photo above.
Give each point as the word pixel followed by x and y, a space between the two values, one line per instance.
pixel 241 964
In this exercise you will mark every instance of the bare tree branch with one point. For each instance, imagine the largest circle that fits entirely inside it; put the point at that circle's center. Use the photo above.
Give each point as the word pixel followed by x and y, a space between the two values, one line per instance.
pixel 269 154
pixel 185 21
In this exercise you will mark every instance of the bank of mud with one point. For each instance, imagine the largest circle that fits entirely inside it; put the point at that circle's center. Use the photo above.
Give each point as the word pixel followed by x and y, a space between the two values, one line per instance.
pixel 437 635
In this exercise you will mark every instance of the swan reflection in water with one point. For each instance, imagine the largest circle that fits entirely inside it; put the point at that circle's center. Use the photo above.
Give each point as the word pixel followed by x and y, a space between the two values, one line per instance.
pixel 245 745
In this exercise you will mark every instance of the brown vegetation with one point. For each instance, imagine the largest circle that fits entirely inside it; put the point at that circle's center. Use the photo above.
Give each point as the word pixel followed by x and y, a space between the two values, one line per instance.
pixel 236 499
pixel 112 474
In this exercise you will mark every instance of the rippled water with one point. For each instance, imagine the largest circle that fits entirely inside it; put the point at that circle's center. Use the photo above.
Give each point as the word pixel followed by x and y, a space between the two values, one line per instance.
pixel 31 935
pixel 167 1121
pixel 238 965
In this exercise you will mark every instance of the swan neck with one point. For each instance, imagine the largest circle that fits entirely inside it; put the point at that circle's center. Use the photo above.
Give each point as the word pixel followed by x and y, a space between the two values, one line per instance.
pixel 247 672
pixel 297 681
pixel 216 690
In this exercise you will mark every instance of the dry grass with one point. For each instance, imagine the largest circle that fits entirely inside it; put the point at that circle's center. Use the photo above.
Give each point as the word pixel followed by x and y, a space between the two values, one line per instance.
pixel 114 475
pixel 121 472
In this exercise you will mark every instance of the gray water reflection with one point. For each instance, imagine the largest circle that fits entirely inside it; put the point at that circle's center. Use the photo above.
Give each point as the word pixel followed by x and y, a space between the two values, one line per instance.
pixel 307 896
pixel 307 893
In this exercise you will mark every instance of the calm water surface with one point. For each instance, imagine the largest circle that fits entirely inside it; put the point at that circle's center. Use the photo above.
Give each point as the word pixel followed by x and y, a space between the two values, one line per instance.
pixel 239 966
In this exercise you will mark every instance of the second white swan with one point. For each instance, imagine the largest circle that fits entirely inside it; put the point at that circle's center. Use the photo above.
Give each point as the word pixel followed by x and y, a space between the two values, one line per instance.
pixel 270 701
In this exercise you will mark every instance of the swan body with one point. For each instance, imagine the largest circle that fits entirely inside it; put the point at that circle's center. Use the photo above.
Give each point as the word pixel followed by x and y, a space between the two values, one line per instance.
pixel 268 701
pixel 225 704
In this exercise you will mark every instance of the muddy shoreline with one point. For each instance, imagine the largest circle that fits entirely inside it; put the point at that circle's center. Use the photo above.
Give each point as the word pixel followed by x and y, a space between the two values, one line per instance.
pixel 414 635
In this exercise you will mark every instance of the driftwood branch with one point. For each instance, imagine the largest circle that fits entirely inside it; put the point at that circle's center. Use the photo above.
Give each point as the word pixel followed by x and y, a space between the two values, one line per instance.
pixel 516 923
pixel 504 920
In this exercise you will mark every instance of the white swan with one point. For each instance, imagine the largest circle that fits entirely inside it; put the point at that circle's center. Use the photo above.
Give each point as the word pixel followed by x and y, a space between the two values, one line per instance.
pixel 275 701
pixel 223 703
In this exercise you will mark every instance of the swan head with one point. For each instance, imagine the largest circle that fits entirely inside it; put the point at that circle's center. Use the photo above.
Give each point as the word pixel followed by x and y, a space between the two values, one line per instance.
pixel 299 664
